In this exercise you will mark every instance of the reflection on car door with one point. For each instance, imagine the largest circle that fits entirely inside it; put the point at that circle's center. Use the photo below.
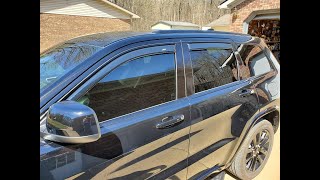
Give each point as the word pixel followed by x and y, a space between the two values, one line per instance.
pixel 221 104
pixel 143 117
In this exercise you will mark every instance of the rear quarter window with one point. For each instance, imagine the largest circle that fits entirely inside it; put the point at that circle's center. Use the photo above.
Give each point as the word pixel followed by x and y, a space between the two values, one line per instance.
pixel 255 61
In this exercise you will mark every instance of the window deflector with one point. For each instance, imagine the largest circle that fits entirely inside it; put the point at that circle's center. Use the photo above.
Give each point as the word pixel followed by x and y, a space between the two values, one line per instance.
pixel 109 67
pixel 200 46
pixel 119 60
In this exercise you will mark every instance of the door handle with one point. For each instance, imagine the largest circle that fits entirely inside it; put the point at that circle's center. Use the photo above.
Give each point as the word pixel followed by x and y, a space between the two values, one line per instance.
pixel 170 121
pixel 246 92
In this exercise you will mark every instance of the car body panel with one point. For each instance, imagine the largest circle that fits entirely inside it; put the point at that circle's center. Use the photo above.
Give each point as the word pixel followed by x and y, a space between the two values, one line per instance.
pixel 135 138
pixel 220 113
pixel 131 147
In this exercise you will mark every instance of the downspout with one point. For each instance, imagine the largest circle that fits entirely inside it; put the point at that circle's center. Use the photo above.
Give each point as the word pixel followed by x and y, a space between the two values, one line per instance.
pixel 245 27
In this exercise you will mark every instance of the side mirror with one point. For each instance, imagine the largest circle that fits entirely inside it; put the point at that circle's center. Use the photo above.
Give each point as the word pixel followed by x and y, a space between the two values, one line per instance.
pixel 72 122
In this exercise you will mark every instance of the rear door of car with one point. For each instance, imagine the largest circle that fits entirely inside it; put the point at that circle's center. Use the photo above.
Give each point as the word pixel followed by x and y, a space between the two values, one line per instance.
pixel 262 68
pixel 140 101
pixel 221 103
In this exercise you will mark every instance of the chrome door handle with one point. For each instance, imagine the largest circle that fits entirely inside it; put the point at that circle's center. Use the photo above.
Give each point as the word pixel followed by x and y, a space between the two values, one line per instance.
pixel 170 121
pixel 246 92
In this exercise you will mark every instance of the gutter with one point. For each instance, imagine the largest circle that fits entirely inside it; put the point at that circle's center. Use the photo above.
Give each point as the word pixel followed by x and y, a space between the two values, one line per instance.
pixel 230 4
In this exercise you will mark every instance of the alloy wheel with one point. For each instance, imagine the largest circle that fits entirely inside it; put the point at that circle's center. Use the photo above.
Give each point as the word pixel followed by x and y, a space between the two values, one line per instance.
pixel 257 151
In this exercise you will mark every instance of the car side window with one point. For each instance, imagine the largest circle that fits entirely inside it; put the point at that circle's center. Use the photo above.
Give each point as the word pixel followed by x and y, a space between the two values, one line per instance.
pixel 213 67
pixel 255 62
pixel 136 84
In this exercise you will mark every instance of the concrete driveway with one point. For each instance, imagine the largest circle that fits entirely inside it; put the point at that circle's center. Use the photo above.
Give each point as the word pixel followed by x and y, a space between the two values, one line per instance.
pixel 272 169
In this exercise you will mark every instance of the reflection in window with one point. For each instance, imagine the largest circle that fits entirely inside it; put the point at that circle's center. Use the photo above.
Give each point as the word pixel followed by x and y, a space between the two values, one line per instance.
pixel 59 161
pixel 58 61
pixel 213 67
pixel 254 60
pixel 134 85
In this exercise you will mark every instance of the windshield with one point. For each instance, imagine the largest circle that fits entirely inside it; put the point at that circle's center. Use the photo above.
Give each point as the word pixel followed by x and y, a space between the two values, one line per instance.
pixel 60 60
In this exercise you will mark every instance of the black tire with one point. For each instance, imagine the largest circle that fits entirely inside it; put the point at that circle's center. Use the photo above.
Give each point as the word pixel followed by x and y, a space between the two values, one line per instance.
pixel 247 162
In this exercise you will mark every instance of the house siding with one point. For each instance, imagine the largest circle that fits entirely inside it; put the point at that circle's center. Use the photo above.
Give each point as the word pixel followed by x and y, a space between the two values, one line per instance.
pixel 94 8
pixel 55 28
pixel 244 9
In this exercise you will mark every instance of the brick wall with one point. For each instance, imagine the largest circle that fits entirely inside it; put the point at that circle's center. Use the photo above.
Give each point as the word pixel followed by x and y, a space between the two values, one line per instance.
pixel 56 28
pixel 244 9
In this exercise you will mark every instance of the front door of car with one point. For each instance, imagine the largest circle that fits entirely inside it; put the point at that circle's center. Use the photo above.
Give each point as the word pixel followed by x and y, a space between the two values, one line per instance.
pixel 139 99
pixel 221 104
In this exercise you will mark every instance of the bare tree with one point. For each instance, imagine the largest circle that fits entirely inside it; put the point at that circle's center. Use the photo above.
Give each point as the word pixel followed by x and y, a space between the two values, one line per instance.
pixel 200 12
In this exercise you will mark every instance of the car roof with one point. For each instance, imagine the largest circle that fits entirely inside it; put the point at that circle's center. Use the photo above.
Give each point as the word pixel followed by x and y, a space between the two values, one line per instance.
pixel 106 38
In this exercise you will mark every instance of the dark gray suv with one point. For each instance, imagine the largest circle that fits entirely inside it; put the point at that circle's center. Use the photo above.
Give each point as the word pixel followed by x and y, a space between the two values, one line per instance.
pixel 157 105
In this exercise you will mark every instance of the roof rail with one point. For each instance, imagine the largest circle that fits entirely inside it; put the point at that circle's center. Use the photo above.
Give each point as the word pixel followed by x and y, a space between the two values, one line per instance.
pixel 197 31
pixel 182 31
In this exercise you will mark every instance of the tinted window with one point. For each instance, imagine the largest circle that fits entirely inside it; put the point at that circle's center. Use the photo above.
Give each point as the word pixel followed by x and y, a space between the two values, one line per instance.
pixel 213 67
pixel 254 60
pixel 132 86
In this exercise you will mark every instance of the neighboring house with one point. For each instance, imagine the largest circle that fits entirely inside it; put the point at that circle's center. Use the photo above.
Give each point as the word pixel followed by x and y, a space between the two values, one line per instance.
pixel 259 18
pixel 244 11
pixel 221 24
pixel 61 20
pixel 174 25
